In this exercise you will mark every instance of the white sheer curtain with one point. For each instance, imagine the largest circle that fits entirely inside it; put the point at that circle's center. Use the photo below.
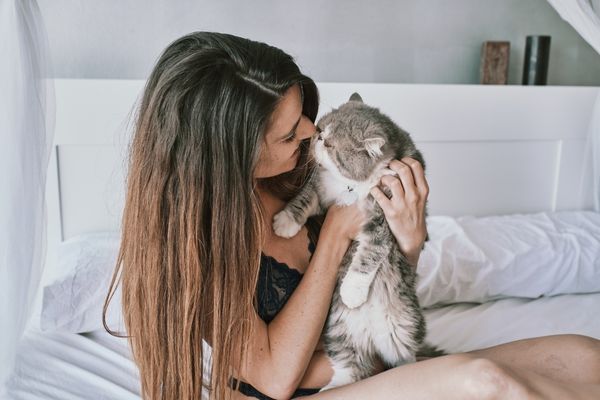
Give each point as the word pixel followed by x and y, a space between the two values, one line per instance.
pixel 584 16
pixel 26 134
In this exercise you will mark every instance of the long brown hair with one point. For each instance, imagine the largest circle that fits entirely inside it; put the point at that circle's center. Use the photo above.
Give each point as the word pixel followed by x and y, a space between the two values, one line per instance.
pixel 191 228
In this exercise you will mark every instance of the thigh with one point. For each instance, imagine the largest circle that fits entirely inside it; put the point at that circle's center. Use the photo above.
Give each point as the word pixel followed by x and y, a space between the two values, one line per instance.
pixel 568 358
pixel 459 376
pixel 437 378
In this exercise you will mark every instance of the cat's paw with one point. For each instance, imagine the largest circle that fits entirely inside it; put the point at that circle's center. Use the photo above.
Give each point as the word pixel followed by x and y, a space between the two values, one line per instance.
pixel 355 289
pixel 285 225
pixel 327 387
pixel 341 377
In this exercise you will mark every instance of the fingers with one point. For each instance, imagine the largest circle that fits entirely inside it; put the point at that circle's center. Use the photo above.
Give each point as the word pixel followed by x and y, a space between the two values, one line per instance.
pixel 409 186
pixel 405 174
pixel 347 219
pixel 394 184
pixel 419 175
pixel 382 199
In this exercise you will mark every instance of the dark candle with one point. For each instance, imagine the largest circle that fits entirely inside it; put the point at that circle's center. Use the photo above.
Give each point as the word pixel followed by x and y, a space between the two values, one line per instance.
pixel 537 54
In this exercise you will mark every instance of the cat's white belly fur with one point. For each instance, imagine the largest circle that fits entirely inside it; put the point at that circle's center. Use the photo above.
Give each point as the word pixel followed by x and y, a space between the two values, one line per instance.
pixel 334 188
pixel 369 327
pixel 363 322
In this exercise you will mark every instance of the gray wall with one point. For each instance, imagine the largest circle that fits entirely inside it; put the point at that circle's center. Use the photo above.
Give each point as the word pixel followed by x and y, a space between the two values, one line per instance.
pixel 404 41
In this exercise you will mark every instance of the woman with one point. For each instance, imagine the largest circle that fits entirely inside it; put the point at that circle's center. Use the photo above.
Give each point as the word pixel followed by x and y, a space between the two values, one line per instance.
pixel 220 144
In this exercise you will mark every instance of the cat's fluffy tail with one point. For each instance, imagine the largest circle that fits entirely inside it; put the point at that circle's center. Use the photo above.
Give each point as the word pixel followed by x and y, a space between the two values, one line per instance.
pixel 429 351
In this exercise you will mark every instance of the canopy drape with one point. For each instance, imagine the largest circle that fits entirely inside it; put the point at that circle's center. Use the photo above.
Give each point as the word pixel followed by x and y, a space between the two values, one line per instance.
pixel 584 17
pixel 26 134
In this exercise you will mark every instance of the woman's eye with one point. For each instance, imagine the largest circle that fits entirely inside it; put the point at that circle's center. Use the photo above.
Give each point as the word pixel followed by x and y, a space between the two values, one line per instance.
pixel 290 138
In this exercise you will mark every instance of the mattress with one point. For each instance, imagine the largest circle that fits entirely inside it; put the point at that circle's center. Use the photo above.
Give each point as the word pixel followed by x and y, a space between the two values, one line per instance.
pixel 64 365
pixel 466 326
pixel 95 365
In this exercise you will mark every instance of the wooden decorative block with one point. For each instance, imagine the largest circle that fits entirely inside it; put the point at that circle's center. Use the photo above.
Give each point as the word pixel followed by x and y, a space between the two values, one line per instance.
pixel 494 63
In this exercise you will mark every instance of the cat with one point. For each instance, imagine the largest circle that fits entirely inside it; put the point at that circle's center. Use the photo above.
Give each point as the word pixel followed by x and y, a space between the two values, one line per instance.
pixel 374 309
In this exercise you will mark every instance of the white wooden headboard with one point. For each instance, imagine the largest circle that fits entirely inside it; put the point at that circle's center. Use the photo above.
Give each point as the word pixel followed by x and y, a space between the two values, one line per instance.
pixel 488 149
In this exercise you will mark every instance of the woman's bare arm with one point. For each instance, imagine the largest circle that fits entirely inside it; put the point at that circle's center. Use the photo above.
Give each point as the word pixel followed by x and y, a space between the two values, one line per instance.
pixel 280 352
pixel 319 371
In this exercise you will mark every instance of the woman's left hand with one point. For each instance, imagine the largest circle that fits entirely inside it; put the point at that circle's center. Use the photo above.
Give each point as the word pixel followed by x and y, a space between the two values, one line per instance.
pixel 405 210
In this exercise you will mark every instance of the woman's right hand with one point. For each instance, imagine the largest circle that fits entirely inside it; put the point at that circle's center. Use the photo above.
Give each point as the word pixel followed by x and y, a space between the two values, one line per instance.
pixel 345 221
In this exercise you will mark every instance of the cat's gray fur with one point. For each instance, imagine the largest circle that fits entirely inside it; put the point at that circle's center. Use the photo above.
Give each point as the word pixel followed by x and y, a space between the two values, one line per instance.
pixel 374 310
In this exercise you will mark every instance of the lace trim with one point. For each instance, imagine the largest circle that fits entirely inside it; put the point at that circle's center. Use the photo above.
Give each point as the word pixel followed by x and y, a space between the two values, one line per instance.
pixel 276 283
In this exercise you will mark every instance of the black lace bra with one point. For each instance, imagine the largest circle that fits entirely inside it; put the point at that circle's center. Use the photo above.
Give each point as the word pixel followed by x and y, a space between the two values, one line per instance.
pixel 276 283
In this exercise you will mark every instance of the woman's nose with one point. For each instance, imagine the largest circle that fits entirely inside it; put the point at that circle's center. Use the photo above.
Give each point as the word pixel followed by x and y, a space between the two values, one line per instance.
pixel 306 129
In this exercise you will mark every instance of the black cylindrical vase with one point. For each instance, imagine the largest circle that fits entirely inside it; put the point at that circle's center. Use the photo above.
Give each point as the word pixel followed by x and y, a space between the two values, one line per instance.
pixel 537 55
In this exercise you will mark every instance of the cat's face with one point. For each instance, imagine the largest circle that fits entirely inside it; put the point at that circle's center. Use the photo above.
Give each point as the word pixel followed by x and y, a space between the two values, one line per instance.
pixel 351 141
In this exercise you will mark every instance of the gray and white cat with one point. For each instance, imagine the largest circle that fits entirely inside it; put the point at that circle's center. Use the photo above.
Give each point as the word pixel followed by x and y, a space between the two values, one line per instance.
pixel 374 310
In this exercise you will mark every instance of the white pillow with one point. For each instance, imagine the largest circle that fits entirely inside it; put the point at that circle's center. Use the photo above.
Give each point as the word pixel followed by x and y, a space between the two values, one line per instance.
pixel 467 259
pixel 73 300
pixel 477 259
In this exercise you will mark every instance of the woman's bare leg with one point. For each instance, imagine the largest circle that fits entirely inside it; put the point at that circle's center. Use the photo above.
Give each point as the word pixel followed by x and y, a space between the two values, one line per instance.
pixel 452 377
pixel 461 376
pixel 567 358
pixel 543 387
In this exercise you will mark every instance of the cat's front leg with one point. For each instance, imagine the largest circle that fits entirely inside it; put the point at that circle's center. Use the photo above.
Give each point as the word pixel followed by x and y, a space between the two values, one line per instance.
pixel 355 286
pixel 288 222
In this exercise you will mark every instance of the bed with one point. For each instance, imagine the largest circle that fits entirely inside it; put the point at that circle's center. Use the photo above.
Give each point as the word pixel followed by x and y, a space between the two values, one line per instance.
pixel 514 249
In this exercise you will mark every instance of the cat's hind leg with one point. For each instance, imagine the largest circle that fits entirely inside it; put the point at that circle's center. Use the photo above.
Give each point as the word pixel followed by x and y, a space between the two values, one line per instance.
pixel 394 355
pixel 366 261
pixel 349 365
pixel 398 334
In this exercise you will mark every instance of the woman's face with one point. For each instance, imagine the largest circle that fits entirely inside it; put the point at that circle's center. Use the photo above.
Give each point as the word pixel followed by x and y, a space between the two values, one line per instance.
pixel 287 127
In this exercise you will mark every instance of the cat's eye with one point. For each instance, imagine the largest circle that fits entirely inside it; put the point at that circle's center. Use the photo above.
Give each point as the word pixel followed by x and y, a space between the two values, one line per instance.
pixel 327 143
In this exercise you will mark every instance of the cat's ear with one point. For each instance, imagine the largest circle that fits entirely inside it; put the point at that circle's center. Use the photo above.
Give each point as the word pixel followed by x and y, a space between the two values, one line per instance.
pixel 355 97
pixel 374 145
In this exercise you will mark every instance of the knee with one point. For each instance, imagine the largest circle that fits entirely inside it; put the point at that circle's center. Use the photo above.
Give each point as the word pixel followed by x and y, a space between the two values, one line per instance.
pixel 487 380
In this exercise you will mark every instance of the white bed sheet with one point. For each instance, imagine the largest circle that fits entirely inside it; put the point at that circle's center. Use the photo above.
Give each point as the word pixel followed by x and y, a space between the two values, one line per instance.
pixel 467 326
pixel 95 365
pixel 68 366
